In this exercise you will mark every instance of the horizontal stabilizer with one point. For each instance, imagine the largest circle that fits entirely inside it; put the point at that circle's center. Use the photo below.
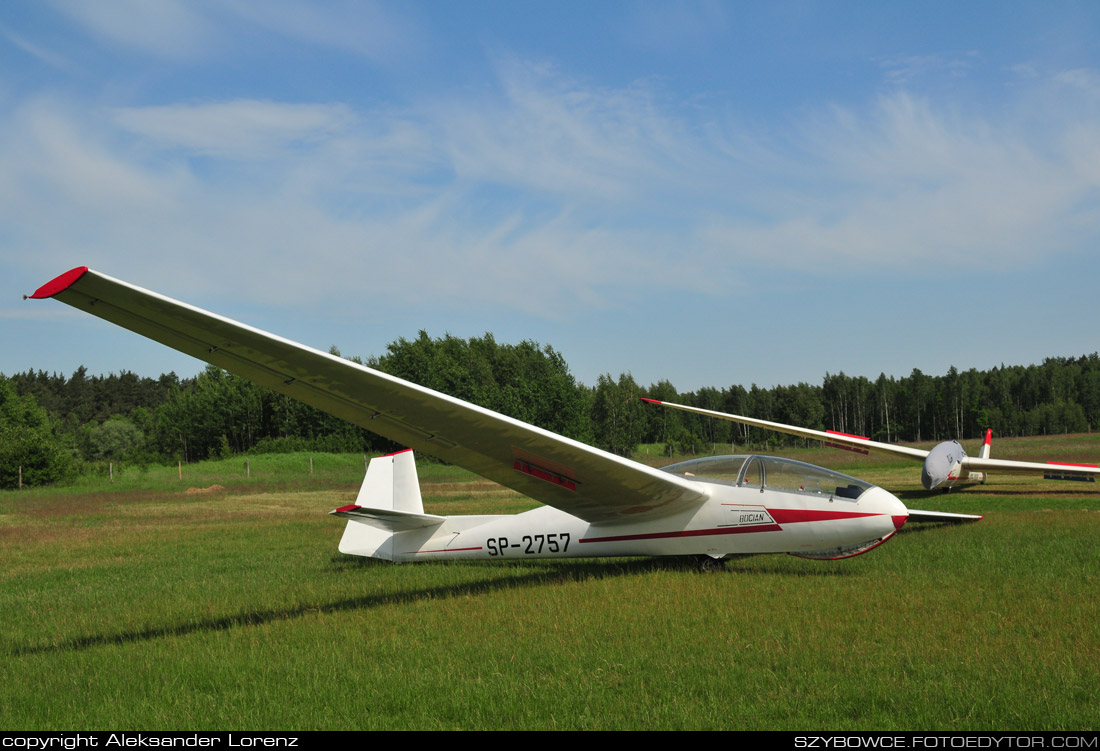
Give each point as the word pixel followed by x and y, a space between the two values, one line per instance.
pixel 394 521
pixel 940 516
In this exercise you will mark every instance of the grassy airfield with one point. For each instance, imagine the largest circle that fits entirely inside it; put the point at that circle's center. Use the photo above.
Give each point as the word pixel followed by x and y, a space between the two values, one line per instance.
pixel 147 604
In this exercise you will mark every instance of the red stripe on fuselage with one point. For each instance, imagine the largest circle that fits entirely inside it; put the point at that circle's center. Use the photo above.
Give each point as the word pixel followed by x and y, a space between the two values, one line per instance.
pixel 792 515
pixel 781 516
pixel 687 533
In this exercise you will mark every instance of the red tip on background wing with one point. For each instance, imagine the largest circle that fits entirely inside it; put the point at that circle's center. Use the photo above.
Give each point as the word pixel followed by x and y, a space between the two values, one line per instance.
pixel 59 284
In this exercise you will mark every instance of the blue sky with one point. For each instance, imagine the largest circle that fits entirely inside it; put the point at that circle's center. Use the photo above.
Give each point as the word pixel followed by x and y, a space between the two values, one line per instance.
pixel 709 193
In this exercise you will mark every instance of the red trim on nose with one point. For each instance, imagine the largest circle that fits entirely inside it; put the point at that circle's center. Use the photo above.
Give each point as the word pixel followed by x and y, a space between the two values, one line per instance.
pixel 899 521
pixel 792 516
pixel 60 283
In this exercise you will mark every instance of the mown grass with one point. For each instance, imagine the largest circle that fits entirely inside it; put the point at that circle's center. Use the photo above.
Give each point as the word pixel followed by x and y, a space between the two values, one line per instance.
pixel 150 607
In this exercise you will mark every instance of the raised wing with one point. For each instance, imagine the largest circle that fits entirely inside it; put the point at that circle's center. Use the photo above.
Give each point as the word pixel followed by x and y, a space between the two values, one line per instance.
pixel 830 437
pixel 589 483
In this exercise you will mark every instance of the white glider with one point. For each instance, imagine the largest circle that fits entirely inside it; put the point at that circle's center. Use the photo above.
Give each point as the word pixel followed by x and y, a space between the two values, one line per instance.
pixel 945 466
pixel 597 503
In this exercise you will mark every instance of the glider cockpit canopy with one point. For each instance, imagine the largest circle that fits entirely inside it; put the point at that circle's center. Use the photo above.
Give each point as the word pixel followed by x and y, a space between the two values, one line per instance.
pixel 773 473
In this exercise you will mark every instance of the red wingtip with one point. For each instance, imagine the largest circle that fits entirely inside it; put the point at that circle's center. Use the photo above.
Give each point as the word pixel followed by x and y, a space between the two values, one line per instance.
pixel 988 436
pixel 652 401
pixel 59 284
pixel 342 509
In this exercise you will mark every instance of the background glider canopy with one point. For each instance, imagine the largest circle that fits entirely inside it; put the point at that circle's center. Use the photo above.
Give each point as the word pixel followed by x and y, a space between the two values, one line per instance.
pixel 939 462
pixel 578 479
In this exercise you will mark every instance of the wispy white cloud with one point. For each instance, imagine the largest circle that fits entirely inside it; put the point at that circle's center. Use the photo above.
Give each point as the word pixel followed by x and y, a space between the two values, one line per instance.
pixel 241 129
pixel 171 29
pixel 361 27
pixel 38 51
pixel 928 190
pixel 545 195
pixel 543 132
pixel 181 31
pixel 675 27
pixel 902 70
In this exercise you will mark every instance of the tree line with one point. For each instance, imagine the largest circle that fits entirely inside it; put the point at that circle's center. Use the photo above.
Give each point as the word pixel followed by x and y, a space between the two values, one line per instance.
pixel 54 426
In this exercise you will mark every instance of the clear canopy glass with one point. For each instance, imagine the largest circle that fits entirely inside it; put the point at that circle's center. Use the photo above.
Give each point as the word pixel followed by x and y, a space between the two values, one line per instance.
pixel 773 473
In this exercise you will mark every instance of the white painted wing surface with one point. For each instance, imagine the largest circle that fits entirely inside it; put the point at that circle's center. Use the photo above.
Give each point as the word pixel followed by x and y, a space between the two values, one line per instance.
pixel 916 515
pixel 586 482
pixel 1058 470
pixel 389 519
pixel 844 440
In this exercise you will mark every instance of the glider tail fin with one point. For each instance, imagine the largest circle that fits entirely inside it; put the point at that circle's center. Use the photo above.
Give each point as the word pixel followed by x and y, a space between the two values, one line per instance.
pixel 986 444
pixel 389 502
pixel 983 453
pixel 391 484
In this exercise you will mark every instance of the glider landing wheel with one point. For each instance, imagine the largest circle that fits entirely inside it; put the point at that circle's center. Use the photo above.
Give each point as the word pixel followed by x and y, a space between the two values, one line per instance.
pixel 707 565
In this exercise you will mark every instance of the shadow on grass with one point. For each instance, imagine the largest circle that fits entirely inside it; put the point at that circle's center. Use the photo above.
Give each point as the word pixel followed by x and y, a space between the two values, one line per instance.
pixel 539 573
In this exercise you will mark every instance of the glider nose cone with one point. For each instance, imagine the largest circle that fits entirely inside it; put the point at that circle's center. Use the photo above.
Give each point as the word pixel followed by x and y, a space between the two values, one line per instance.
pixel 927 479
pixel 940 463
pixel 886 503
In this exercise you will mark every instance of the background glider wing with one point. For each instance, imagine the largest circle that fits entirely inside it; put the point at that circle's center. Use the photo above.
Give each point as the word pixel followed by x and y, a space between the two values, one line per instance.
pixel 558 471
pixel 1049 470
pixel 830 437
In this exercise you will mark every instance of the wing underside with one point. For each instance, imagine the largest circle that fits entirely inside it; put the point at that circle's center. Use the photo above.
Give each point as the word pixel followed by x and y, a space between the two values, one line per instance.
pixel 578 479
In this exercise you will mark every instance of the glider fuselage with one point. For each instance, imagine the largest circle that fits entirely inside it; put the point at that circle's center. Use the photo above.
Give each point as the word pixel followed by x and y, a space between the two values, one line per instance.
pixel 806 510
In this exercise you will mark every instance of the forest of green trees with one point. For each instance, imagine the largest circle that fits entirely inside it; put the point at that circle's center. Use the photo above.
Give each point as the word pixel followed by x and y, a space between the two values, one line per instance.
pixel 53 427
